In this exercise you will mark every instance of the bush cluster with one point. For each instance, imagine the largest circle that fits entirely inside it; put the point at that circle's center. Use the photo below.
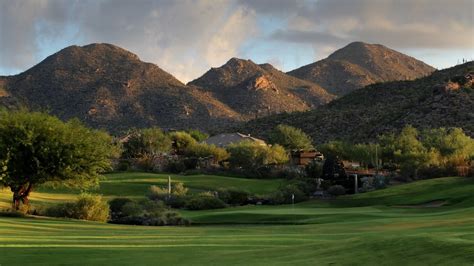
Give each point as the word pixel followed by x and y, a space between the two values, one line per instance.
pixel 86 207
pixel 143 212
pixel 337 190
pixel 233 196
pixel 204 202
pixel 285 194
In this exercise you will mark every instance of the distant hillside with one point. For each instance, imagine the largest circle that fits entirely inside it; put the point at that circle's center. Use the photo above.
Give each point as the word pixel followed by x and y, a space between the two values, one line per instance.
pixel 108 87
pixel 360 64
pixel 363 114
pixel 258 90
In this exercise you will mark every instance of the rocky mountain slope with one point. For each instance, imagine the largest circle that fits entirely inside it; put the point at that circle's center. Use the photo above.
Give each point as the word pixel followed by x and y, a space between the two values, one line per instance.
pixel 443 99
pixel 108 87
pixel 360 64
pixel 258 90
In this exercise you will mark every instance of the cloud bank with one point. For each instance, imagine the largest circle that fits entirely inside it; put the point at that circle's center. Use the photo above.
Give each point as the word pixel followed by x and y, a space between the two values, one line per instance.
pixel 187 37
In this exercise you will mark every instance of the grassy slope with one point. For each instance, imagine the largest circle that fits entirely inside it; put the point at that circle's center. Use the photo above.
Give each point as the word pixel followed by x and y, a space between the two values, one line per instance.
pixel 456 192
pixel 323 233
pixel 136 184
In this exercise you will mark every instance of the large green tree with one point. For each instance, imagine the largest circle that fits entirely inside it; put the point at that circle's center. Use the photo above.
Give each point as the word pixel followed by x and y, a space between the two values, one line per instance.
pixel 251 155
pixel 291 138
pixel 149 141
pixel 36 148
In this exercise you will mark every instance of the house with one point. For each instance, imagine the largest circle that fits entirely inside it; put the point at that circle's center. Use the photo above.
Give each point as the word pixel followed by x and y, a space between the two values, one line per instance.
pixel 304 157
pixel 224 140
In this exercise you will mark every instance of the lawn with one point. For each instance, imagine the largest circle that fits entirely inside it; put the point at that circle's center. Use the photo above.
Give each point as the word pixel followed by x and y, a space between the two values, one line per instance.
pixel 136 184
pixel 388 230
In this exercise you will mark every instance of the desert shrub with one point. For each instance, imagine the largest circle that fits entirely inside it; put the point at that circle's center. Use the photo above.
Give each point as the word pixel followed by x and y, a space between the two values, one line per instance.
pixel 204 202
pixel 191 163
pixel 201 150
pixel 147 212
pixel 306 185
pixel 314 169
pixel 285 194
pixel 11 213
pixel 435 172
pixel 132 209
pixel 161 193
pixel 326 184
pixel 233 196
pixel 337 190
pixel 145 162
pixel 175 166
pixel 87 207
pixel 116 205
pixel 198 135
pixel 123 165
pixel 177 202
pixel 291 173
pixel 181 141
pixel 177 199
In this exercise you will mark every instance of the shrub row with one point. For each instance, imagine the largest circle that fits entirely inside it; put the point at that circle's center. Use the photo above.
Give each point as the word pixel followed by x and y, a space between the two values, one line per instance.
pixel 143 212
pixel 87 207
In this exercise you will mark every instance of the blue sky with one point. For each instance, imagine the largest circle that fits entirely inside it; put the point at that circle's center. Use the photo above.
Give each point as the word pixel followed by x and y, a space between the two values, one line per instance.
pixel 187 37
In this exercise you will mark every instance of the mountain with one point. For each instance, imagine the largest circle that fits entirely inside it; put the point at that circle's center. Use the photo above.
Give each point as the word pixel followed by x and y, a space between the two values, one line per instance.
pixel 443 99
pixel 360 64
pixel 258 90
pixel 108 87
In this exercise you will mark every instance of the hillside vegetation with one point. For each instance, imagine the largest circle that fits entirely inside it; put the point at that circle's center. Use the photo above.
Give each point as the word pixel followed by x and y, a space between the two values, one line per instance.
pixel 362 115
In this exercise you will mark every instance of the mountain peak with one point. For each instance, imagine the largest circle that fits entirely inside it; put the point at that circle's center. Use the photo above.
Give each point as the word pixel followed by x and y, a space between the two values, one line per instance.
pixel 359 64
pixel 359 49
pixel 260 89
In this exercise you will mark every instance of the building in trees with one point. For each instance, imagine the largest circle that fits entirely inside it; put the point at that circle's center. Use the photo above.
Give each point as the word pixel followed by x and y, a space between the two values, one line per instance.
pixel 224 140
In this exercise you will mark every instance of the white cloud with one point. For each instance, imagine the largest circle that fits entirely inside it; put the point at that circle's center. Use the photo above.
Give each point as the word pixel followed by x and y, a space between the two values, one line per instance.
pixel 186 37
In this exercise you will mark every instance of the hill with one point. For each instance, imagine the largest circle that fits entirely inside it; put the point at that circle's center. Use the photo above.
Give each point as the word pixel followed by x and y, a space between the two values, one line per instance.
pixel 360 64
pixel 360 116
pixel 258 90
pixel 108 87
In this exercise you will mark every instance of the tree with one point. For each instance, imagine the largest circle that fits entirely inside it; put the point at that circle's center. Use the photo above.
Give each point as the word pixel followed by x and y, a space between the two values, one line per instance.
pixel 198 135
pixel 333 168
pixel 252 155
pixel 454 146
pixel 335 148
pixel 202 150
pixel 182 141
pixel 149 141
pixel 36 148
pixel 407 150
pixel 291 138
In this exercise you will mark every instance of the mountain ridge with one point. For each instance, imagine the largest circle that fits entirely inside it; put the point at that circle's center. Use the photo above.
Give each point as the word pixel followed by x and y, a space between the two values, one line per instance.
pixel 108 87
pixel 443 99
pixel 253 88
pixel 359 64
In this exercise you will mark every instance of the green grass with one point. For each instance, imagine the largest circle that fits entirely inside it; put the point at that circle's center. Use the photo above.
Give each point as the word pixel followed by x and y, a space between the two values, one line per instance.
pixel 376 228
pixel 136 184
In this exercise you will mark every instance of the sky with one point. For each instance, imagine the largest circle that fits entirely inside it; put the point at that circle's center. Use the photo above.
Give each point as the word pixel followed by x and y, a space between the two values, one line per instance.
pixel 187 37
